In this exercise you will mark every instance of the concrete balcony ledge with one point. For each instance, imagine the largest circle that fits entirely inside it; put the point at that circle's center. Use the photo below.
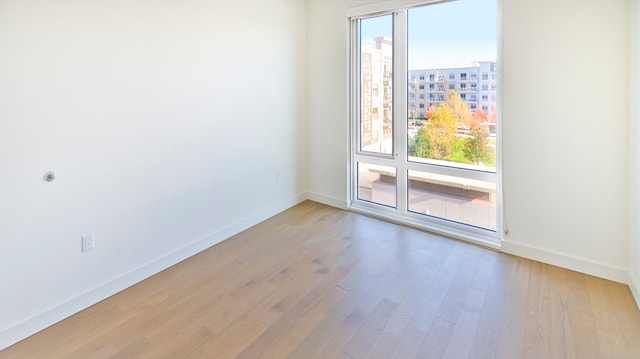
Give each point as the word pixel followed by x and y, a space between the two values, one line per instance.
pixel 442 180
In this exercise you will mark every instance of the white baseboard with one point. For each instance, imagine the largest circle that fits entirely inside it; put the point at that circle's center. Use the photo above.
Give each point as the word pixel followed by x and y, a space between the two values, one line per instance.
pixel 634 285
pixel 581 265
pixel 329 201
pixel 38 322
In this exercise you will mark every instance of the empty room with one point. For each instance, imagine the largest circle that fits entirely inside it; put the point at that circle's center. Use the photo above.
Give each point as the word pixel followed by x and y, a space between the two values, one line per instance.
pixel 319 179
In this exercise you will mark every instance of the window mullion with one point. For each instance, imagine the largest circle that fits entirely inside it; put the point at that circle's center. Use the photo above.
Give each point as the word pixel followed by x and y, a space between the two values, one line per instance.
pixel 400 104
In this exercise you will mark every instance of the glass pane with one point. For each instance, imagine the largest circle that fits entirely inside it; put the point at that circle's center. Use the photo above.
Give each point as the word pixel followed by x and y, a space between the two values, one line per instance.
pixel 452 84
pixel 377 184
pixel 376 77
pixel 457 199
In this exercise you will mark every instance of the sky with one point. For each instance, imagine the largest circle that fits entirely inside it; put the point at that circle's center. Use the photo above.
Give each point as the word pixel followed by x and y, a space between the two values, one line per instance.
pixel 452 34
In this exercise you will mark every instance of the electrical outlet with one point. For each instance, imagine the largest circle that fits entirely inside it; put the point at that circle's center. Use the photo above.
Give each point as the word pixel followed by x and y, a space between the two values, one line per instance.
pixel 88 242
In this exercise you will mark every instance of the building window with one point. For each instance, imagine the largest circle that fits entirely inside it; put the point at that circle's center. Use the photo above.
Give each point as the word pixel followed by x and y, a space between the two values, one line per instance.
pixel 421 105
pixel 422 77
pixel 474 76
pixel 421 96
pixel 485 76
pixel 485 98
pixel 421 87
pixel 485 87
pixel 452 86
pixel 463 76
pixel 432 77
pixel 452 76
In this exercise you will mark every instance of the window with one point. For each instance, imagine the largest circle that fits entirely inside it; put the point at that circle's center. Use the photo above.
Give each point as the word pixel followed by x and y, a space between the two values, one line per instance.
pixel 485 76
pixel 485 87
pixel 443 175
pixel 485 98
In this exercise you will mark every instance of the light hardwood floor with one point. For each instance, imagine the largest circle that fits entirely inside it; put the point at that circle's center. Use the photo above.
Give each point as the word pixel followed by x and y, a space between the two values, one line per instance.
pixel 318 282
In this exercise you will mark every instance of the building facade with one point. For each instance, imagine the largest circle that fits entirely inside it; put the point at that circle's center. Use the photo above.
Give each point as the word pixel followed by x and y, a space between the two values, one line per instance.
pixel 475 84
pixel 376 97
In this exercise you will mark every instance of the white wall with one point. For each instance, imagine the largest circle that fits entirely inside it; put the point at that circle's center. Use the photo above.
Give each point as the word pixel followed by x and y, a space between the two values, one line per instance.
pixel 165 121
pixel 634 271
pixel 328 100
pixel 566 111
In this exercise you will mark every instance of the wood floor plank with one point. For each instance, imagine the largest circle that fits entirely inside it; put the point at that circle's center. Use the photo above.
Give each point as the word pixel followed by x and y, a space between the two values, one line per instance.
pixel 364 338
pixel 437 340
pixel 466 326
pixel 319 282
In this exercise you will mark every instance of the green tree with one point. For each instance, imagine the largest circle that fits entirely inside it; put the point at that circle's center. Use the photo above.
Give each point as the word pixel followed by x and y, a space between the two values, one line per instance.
pixel 475 147
pixel 441 132
pixel 419 146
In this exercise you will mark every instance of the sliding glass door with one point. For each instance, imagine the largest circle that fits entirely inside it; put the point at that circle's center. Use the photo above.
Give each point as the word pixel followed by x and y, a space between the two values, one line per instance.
pixel 425 116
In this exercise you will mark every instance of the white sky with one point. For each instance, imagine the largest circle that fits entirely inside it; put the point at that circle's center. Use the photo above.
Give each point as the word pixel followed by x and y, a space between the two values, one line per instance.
pixel 451 34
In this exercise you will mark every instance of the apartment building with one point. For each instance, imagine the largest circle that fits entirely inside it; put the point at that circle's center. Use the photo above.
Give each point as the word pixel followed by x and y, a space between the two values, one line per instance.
pixel 376 73
pixel 476 84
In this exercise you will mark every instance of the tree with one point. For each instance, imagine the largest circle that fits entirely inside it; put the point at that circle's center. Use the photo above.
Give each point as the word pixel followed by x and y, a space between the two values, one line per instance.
pixel 479 115
pixel 460 110
pixel 419 146
pixel 493 115
pixel 475 147
pixel 430 112
pixel 441 132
